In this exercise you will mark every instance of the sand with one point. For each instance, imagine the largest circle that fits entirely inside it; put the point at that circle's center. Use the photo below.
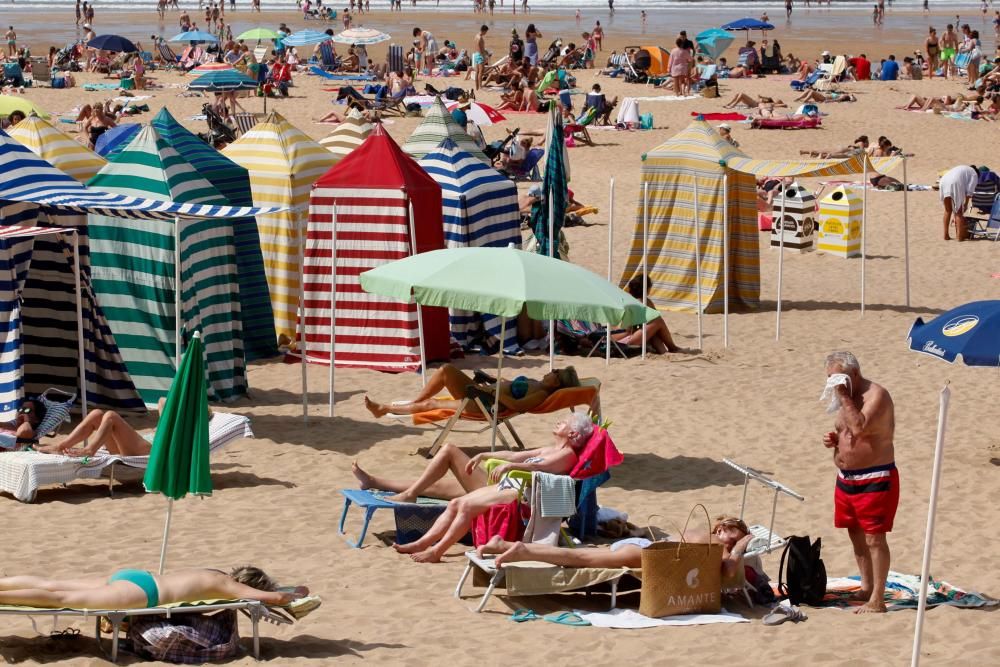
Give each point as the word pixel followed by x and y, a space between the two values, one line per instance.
pixel 277 504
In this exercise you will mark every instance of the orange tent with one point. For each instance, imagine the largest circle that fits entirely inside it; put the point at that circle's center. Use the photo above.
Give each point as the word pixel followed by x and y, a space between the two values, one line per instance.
pixel 659 61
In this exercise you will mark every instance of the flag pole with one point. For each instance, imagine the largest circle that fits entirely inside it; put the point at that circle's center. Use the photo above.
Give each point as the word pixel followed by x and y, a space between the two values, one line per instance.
pixel 645 256
pixel 333 307
pixel 781 262
pixel 80 350
pixel 420 313
pixel 697 261
pixel 552 242
pixel 611 226
pixel 166 535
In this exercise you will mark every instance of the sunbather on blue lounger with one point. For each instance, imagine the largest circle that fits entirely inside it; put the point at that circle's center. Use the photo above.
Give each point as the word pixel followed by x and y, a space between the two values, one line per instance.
pixel 138 589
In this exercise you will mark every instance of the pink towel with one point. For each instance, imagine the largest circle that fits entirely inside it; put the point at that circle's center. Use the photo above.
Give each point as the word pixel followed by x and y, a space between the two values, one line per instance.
pixel 598 455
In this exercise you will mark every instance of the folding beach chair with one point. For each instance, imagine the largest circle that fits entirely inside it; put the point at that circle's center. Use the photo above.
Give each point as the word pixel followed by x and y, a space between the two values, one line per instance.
pixel 809 81
pixel 528 169
pixel 327 57
pixel 572 334
pixel 169 58
pixel 982 228
pixel 986 191
pixel 395 59
pixel 245 121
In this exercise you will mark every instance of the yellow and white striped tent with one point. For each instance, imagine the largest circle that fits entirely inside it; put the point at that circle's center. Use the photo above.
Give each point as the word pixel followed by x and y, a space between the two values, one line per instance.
pixel 283 163
pixel 348 135
pixel 670 171
pixel 57 148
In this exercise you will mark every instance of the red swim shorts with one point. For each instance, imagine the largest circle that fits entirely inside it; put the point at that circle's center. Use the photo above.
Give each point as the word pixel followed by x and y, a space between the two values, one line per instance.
pixel 867 498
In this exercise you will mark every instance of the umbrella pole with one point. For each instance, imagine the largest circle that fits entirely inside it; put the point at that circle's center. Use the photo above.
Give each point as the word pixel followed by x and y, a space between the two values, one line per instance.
pixel 177 293
pixel 420 313
pixel 697 259
pixel 864 216
pixel 303 345
pixel 931 513
pixel 166 534
pixel 333 306
pixel 496 391
pixel 906 233
pixel 79 322
pixel 611 227
pixel 645 256
pixel 781 262
pixel 552 245
pixel 725 258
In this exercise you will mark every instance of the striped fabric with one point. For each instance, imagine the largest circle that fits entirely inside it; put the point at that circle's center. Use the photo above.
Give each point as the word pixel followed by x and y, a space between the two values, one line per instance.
pixel 479 209
pixel 134 275
pixel 283 163
pixel 28 178
pixel 57 148
pixel 813 168
pixel 233 181
pixel 437 126
pixel 670 170
pixel 348 135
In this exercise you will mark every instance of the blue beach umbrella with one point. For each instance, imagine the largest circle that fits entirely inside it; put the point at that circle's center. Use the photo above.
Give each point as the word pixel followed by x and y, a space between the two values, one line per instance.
pixel 713 42
pixel 194 36
pixel 223 81
pixel 747 25
pixel 971 332
pixel 115 43
pixel 305 38
pixel 116 138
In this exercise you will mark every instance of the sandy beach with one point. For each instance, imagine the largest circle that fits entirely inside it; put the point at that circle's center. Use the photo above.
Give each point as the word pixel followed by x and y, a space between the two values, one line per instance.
pixel 277 502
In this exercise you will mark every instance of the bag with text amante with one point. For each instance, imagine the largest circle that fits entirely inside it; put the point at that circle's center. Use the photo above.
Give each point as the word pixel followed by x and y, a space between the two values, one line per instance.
pixel 681 577
pixel 802 573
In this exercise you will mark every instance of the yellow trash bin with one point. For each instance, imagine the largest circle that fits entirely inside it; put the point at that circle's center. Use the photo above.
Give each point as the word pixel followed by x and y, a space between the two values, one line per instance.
pixel 840 223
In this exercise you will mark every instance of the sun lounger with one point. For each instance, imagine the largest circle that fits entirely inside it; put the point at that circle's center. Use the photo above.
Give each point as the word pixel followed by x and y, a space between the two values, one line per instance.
pixel 587 394
pixel 254 610
pixel 809 81
pixel 23 473
pixel 982 228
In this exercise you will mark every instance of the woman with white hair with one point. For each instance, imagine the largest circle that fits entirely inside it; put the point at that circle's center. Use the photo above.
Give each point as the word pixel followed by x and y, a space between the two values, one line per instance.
pixel 472 492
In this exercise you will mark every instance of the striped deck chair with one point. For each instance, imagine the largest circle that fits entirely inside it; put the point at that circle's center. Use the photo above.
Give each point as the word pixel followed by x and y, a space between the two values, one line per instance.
pixel 169 58
pixel 395 59
pixel 327 56
pixel 584 336
pixel 245 121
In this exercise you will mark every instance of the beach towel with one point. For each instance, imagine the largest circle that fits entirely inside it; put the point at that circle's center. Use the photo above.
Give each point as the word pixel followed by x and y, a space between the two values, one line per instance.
pixel 597 456
pixel 629 618
pixel 720 116
pixel 785 123
pixel 902 591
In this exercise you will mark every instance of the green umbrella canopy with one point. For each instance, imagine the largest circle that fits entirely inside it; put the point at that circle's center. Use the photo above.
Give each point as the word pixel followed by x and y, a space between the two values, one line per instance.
pixel 178 461
pixel 258 34
pixel 501 281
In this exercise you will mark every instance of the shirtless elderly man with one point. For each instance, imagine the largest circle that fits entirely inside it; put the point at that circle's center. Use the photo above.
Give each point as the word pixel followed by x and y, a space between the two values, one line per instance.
pixel 867 491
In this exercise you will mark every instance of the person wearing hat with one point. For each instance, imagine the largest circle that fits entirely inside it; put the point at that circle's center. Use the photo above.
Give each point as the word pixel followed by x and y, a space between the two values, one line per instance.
pixel 516 49
pixel 458 114
pixel 725 131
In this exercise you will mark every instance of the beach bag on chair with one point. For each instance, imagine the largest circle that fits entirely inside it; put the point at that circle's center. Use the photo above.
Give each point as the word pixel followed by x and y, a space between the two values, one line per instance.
pixel 681 578
pixel 802 573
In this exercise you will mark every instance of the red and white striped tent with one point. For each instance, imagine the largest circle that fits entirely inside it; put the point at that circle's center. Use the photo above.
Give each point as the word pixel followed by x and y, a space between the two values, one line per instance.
pixel 375 206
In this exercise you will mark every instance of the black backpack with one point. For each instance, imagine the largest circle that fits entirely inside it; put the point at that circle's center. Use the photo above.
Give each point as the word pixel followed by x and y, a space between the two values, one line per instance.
pixel 802 574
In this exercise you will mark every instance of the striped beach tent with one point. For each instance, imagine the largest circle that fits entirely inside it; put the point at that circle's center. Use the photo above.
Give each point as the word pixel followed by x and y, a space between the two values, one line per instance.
pixel 695 159
pixel 57 148
pixel 233 181
pixel 386 207
pixel 348 135
pixel 479 209
pixel 283 163
pixel 134 269
pixel 437 126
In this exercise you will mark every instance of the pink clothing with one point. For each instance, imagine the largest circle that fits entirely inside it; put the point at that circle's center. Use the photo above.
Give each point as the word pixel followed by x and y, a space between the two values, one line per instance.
pixel 680 62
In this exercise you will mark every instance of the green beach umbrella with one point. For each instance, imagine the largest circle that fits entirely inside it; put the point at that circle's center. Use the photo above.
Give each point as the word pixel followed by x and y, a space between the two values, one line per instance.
pixel 11 103
pixel 258 34
pixel 178 460
pixel 502 281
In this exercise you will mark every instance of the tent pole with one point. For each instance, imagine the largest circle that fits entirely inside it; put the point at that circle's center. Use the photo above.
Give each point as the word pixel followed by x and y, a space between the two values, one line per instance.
pixel 496 393
pixel 552 248
pixel 333 306
pixel 79 322
pixel 645 256
pixel 166 535
pixel 781 262
pixel 864 217
pixel 725 257
pixel 611 227
pixel 697 260
pixel 420 312
pixel 303 345
pixel 906 233
pixel 178 315
pixel 931 513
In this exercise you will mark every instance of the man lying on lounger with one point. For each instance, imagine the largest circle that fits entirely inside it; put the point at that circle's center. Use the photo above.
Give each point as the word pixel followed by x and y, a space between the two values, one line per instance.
pixel 472 492
pixel 730 532
pixel 520 394
pixel 139 589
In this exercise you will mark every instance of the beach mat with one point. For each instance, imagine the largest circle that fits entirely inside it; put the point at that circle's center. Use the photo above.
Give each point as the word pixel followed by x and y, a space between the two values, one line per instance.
pixel 629 618
pixel 902 591
pixel 720 116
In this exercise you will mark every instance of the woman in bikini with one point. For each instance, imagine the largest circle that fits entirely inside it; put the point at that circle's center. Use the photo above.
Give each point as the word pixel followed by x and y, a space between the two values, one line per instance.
pixel 933 52
pixel 832 96
pixel 749 101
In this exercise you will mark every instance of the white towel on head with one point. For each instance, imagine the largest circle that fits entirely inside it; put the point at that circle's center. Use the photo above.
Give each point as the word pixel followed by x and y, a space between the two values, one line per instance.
pixel 829 393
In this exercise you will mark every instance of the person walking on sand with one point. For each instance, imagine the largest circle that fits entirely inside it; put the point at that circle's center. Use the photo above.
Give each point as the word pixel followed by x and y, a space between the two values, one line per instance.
pixel 79 13
pixel 867 491
pixel 949 47
pixel 480 56
pixel 788 9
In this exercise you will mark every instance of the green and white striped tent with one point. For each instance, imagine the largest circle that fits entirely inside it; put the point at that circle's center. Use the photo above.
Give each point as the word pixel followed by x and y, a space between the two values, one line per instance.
pixel 134 273
pixel 437 126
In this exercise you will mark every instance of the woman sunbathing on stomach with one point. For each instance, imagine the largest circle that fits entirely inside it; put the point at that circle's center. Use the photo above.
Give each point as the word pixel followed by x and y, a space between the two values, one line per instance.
pixel 731 533
pixel 520 394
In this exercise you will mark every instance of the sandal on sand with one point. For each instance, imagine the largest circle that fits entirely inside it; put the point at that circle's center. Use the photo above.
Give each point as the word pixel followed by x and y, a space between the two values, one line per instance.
pixel 302 607
pixel 522 615
pixel 782 613
pixel 566 618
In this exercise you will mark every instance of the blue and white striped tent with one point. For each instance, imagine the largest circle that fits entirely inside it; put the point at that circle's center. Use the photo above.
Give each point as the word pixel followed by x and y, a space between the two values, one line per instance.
pixel 34 193
pixel 480 209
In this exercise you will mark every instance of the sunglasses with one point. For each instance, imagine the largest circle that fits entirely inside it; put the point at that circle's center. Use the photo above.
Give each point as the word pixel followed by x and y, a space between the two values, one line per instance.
pixel 26 410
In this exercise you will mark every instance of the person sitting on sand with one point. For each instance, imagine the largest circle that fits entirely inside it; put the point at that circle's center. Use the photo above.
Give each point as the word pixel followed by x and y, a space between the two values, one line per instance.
pixel 730 532
pixel 657 332
pixel 474 493
pixel 742 99
pixel 831 96
pixel 139 589
pixel 519 394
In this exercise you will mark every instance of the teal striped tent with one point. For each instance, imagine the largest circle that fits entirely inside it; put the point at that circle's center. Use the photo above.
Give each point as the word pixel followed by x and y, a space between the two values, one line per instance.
pixel 437 126
pixel 133 269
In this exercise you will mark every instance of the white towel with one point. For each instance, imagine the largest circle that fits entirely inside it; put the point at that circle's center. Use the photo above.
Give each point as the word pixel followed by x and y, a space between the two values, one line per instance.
pixel 829 393
pixel 629 618
pixel 557 494
pixel 540 529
